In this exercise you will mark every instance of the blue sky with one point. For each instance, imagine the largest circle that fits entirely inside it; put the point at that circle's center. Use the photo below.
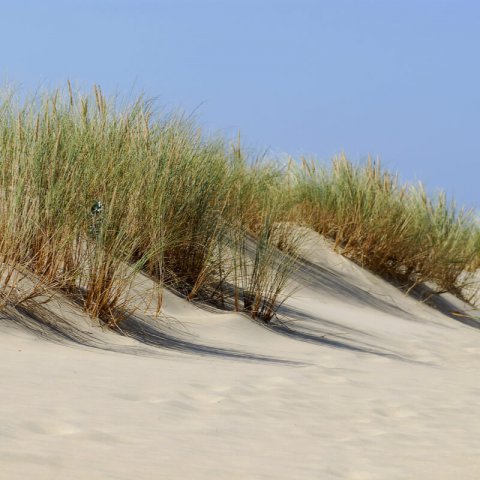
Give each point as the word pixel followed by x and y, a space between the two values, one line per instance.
pixel 394 79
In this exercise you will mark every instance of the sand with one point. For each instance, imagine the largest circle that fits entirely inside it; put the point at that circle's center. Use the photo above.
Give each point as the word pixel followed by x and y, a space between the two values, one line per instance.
pixel 362 382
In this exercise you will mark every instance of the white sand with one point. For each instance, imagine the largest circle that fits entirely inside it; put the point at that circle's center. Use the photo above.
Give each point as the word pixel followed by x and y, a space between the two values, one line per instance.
pixel 366 384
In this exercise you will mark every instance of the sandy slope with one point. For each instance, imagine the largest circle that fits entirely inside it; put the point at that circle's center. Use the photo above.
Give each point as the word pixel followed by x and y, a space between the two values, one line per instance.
pixel 361 383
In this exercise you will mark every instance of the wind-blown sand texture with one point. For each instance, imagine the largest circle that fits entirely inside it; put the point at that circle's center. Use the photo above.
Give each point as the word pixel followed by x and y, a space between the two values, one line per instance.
pixel 360 382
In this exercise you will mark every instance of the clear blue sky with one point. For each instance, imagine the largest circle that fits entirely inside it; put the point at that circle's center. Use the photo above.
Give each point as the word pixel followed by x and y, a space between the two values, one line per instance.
pixel 397 79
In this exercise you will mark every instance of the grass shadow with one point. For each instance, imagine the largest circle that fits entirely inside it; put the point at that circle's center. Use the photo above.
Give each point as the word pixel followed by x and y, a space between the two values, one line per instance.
pixel 452 309
pixel 328 340
pixel 47 325
pixel 311 274
pixel 150 332
pixel 153 338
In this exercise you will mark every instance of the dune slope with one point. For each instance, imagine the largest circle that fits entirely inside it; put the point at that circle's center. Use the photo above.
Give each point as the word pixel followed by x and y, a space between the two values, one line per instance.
pixel 356 381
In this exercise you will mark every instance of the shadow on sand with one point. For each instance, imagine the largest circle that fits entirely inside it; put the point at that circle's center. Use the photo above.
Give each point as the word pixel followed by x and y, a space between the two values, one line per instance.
pixel 313 275
pixel 450 308
pixel 148 332
pixel 331 340
pixel 316 276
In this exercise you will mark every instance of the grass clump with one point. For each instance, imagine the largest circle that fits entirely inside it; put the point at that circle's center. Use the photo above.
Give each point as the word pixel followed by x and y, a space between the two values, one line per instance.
pixel 395 230
pixel 93 193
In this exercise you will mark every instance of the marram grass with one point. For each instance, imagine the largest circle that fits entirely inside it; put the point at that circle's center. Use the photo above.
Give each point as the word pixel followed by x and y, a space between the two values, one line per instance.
pixel 91 194
pixel 171 200
pixel 395 230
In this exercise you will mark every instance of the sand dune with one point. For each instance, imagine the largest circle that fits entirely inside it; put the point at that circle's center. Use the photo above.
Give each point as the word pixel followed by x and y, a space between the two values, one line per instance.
pixel 357 381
